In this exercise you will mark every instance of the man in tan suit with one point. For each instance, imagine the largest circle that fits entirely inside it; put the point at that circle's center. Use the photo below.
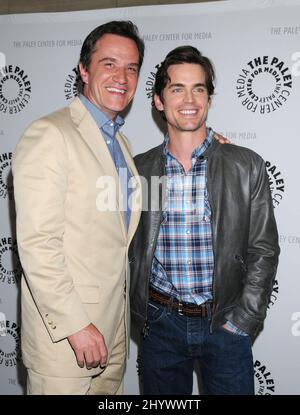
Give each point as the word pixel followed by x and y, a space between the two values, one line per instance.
pixel 72 247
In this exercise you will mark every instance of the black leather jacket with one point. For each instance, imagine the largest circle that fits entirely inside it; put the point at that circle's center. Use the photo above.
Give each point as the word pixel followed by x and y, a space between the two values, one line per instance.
pixel 245 238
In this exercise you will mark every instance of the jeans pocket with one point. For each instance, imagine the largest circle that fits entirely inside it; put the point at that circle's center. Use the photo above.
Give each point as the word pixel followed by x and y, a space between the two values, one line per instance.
pixel 155 312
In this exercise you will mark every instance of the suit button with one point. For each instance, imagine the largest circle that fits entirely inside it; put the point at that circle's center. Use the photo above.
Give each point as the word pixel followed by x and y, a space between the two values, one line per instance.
pixel 50 322
pixel 53 327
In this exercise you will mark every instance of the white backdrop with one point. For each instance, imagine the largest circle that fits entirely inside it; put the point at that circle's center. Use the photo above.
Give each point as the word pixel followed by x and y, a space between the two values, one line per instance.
pixel 255 47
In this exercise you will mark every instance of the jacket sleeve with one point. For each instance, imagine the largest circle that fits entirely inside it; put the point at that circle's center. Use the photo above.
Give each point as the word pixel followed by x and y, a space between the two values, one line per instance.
pixel 40 188
pixel 262 256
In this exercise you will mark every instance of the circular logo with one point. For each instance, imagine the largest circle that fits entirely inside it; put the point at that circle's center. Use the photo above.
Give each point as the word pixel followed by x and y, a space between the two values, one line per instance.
pixel 10 350
pixel 276 182
pixel 15 89
pixel 71 84
pixel 264 84
pixel 150 84
pixel 6 183
pixel 264 383
pixel 10 265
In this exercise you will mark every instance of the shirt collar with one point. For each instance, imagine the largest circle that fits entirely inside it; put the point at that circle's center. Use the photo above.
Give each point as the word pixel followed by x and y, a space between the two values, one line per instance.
pixel 198 151
pixel 99 116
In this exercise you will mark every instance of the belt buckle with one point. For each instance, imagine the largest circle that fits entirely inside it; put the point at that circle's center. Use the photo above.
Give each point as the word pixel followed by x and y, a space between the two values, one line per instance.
pixel 180 312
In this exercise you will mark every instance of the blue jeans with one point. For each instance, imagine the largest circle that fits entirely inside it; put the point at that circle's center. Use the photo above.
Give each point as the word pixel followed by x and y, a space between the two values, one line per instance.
pixel 174 342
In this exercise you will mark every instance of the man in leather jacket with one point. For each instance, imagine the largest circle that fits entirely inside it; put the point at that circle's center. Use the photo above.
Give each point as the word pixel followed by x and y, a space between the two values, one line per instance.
pixel 204 257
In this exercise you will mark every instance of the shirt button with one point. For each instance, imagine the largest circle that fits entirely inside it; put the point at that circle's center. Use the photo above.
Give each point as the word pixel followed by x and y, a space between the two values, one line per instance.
pixel 111 124
pixel 108 141
pixel 188 231
pixel 189 262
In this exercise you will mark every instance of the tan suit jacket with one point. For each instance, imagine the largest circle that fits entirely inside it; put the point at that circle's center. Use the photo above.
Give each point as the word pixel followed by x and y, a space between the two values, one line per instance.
pixel 74 256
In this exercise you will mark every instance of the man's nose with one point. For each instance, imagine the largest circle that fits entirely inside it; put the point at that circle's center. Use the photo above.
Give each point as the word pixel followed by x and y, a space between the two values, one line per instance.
pixel 188 96
pixel 120 75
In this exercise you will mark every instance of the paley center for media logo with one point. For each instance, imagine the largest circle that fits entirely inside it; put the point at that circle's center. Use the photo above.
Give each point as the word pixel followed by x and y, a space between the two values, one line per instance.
pixel 264 382
pixel 71 86
pixel 276 183
pixel 274 294
pixel 6 186
pixel 10 265
pixel 15 89
pixel 264 84
pixel 10 348
pixel 149 88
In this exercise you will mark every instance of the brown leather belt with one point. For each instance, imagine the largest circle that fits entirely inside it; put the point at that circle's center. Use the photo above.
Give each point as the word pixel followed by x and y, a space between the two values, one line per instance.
pixel 186 309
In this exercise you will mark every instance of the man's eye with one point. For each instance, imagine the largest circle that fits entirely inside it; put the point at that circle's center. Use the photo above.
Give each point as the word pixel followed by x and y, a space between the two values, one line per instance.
pixel 132 69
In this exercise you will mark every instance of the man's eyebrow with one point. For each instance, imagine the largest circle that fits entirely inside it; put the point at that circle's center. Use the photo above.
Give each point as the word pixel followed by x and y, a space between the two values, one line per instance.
pixel 109 59
pixel 175 84
pixel 178 84
pixel 200 84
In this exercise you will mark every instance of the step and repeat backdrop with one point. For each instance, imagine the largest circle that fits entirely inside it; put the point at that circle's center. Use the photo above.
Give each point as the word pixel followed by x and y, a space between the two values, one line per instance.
pixel 255 47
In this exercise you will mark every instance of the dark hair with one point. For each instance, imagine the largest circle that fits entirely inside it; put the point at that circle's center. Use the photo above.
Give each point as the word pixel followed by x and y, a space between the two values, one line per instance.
pixel 120 28
pixel 179 55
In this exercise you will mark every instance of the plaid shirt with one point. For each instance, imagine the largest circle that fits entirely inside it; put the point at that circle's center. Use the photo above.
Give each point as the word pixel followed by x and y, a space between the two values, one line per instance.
pixel 183 261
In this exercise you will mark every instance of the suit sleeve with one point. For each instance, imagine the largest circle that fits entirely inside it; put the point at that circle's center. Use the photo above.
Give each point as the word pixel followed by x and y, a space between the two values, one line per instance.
pixel 262 256
pixel 40 171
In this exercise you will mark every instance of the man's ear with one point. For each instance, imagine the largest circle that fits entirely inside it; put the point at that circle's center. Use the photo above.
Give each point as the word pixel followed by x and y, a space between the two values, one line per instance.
pixel 84 74
pixel 158 104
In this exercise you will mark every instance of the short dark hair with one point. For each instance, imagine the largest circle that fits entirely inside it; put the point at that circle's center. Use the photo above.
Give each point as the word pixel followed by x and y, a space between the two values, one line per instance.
pixel 124 28
pixel 179 55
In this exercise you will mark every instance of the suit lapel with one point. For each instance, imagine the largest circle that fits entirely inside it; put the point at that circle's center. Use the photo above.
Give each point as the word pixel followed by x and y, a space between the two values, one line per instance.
pixel 135 180
pixel 93 138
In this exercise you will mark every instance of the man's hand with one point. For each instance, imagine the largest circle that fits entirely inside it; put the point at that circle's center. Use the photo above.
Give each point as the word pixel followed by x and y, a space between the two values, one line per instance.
pixel 221 139
pixel 89 347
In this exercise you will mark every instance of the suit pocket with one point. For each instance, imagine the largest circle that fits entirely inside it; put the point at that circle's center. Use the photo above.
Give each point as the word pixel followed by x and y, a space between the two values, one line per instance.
pixel 89 294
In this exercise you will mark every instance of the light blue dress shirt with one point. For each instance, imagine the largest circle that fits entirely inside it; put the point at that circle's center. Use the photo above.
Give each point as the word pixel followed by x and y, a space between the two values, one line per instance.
pixel 109 129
